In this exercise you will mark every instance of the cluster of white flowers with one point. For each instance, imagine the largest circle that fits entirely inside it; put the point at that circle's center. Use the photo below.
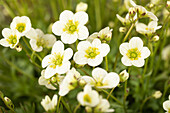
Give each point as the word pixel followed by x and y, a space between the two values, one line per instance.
pixel 60 74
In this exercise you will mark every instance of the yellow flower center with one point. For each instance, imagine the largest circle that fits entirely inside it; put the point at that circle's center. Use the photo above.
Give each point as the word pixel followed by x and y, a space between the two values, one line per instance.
pixel 92 52
pixel 12 40
pixel 40 42
pixel 21 27
pixel 56 60
pixel 87 98
pixel 71 27
pixel 149 29
pixel 134 54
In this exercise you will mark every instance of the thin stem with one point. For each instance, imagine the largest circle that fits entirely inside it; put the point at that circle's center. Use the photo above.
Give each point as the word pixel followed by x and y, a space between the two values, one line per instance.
pixel 128 32
pixel 66 105
pixel 84 71
pixel 114 98
pixel 125 96
pixel 75 110
pixel 58 103
pixel 97 14
pixel 117 56
pixel 106 61
pixel 110 94
pixel 144 101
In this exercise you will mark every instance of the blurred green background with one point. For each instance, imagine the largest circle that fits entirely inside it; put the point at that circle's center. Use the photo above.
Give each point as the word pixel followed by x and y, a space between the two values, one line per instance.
pixel 19 77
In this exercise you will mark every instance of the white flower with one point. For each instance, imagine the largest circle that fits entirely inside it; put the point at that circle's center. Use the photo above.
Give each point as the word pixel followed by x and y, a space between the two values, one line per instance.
pixel 91 53
pixel 133 52
pixel 48 104
pixel 103 106
pixel 88 97
pixel 147 30
pixel 11 38
pixel 58 60
pixel 104 35
pixel 166 105
pixel 70 82
pixel 44 81
pixel 21 24
pixel 129 3
pixel 71 26
pixel 102 79
pixel 81 7
pixel 166 53
pixel 123 76
pixel 39 40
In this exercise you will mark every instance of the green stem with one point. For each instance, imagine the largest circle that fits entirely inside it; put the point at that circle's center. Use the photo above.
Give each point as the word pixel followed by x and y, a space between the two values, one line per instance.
pixel 84 71
pixel 106 61
pixel 114 98
pixel 125 96
pixel 58 103
pixel 117 56
pixel 97 14
pixel 75 110
pixel 66 105
pixel 143 103
pixel 110 94
pixel 128 32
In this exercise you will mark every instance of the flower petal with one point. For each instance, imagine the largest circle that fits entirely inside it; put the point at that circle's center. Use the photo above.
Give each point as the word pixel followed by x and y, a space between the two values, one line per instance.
pixel 111 80
pixel 58 47
pixel 136 42
pixel 83 45
pixel 31 34
pixel 49 40
pixel 153 24
pixel 104 49
pixel 166 105
pixel 63 68
pixel 96 43
pixel 138 63
pixel 49 72
pixel 124 47
pixel 98 74
pixel 88 80
pixel 39 32
pixel 63 90
pixel 141 28
pixel 81 17
pixel 92 37
pixel 79 58
pixel 83 33
pixel 66 15
pixel 46 60
pixel 152 16
pixel 96 61
pixel 145 52
pixel 4 43
pixel 126 61
pixel 68 53
pixel 6 32
pixel 69 38
pixel 58 27
pixel 33 43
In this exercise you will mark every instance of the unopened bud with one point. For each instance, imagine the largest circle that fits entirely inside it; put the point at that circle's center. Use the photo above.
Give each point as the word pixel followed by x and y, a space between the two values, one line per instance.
pixel 53 79
pixel 105 35
pixel 122 29
pixel 168 5
pixel 18 48
pixel 88 109
pixel 157 94
pixel 132 12
pixel 155 38
pixel 123 76
pixel 8 102
pixel 82 82
pixel 141 11
pixel 111 24
pixel 151 5
pixel 81 7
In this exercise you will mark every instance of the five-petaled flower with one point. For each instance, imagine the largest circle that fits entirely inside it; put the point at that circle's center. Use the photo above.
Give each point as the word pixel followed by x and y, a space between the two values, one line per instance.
pixel 71 26
pixel 39 40
pixel 88 97
pixel 91 53
pixel 101 79
pixel 21 24
pixel 58 60
pixel 147 30
pixel 11 38
pixel 133 52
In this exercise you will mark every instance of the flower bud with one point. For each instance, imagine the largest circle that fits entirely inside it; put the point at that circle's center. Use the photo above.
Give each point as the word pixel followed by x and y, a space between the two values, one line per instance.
pixel 53 79
pixel 18 48
pixel 132 12
pixel 8 102
pixel 88 109
pixel 123 76
pixel 81 7
pixel 157 94
pixel 155 38
pixel 82 82
pixel 105 35
pixel 168 5
pixel 141 11
pixel 122 29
